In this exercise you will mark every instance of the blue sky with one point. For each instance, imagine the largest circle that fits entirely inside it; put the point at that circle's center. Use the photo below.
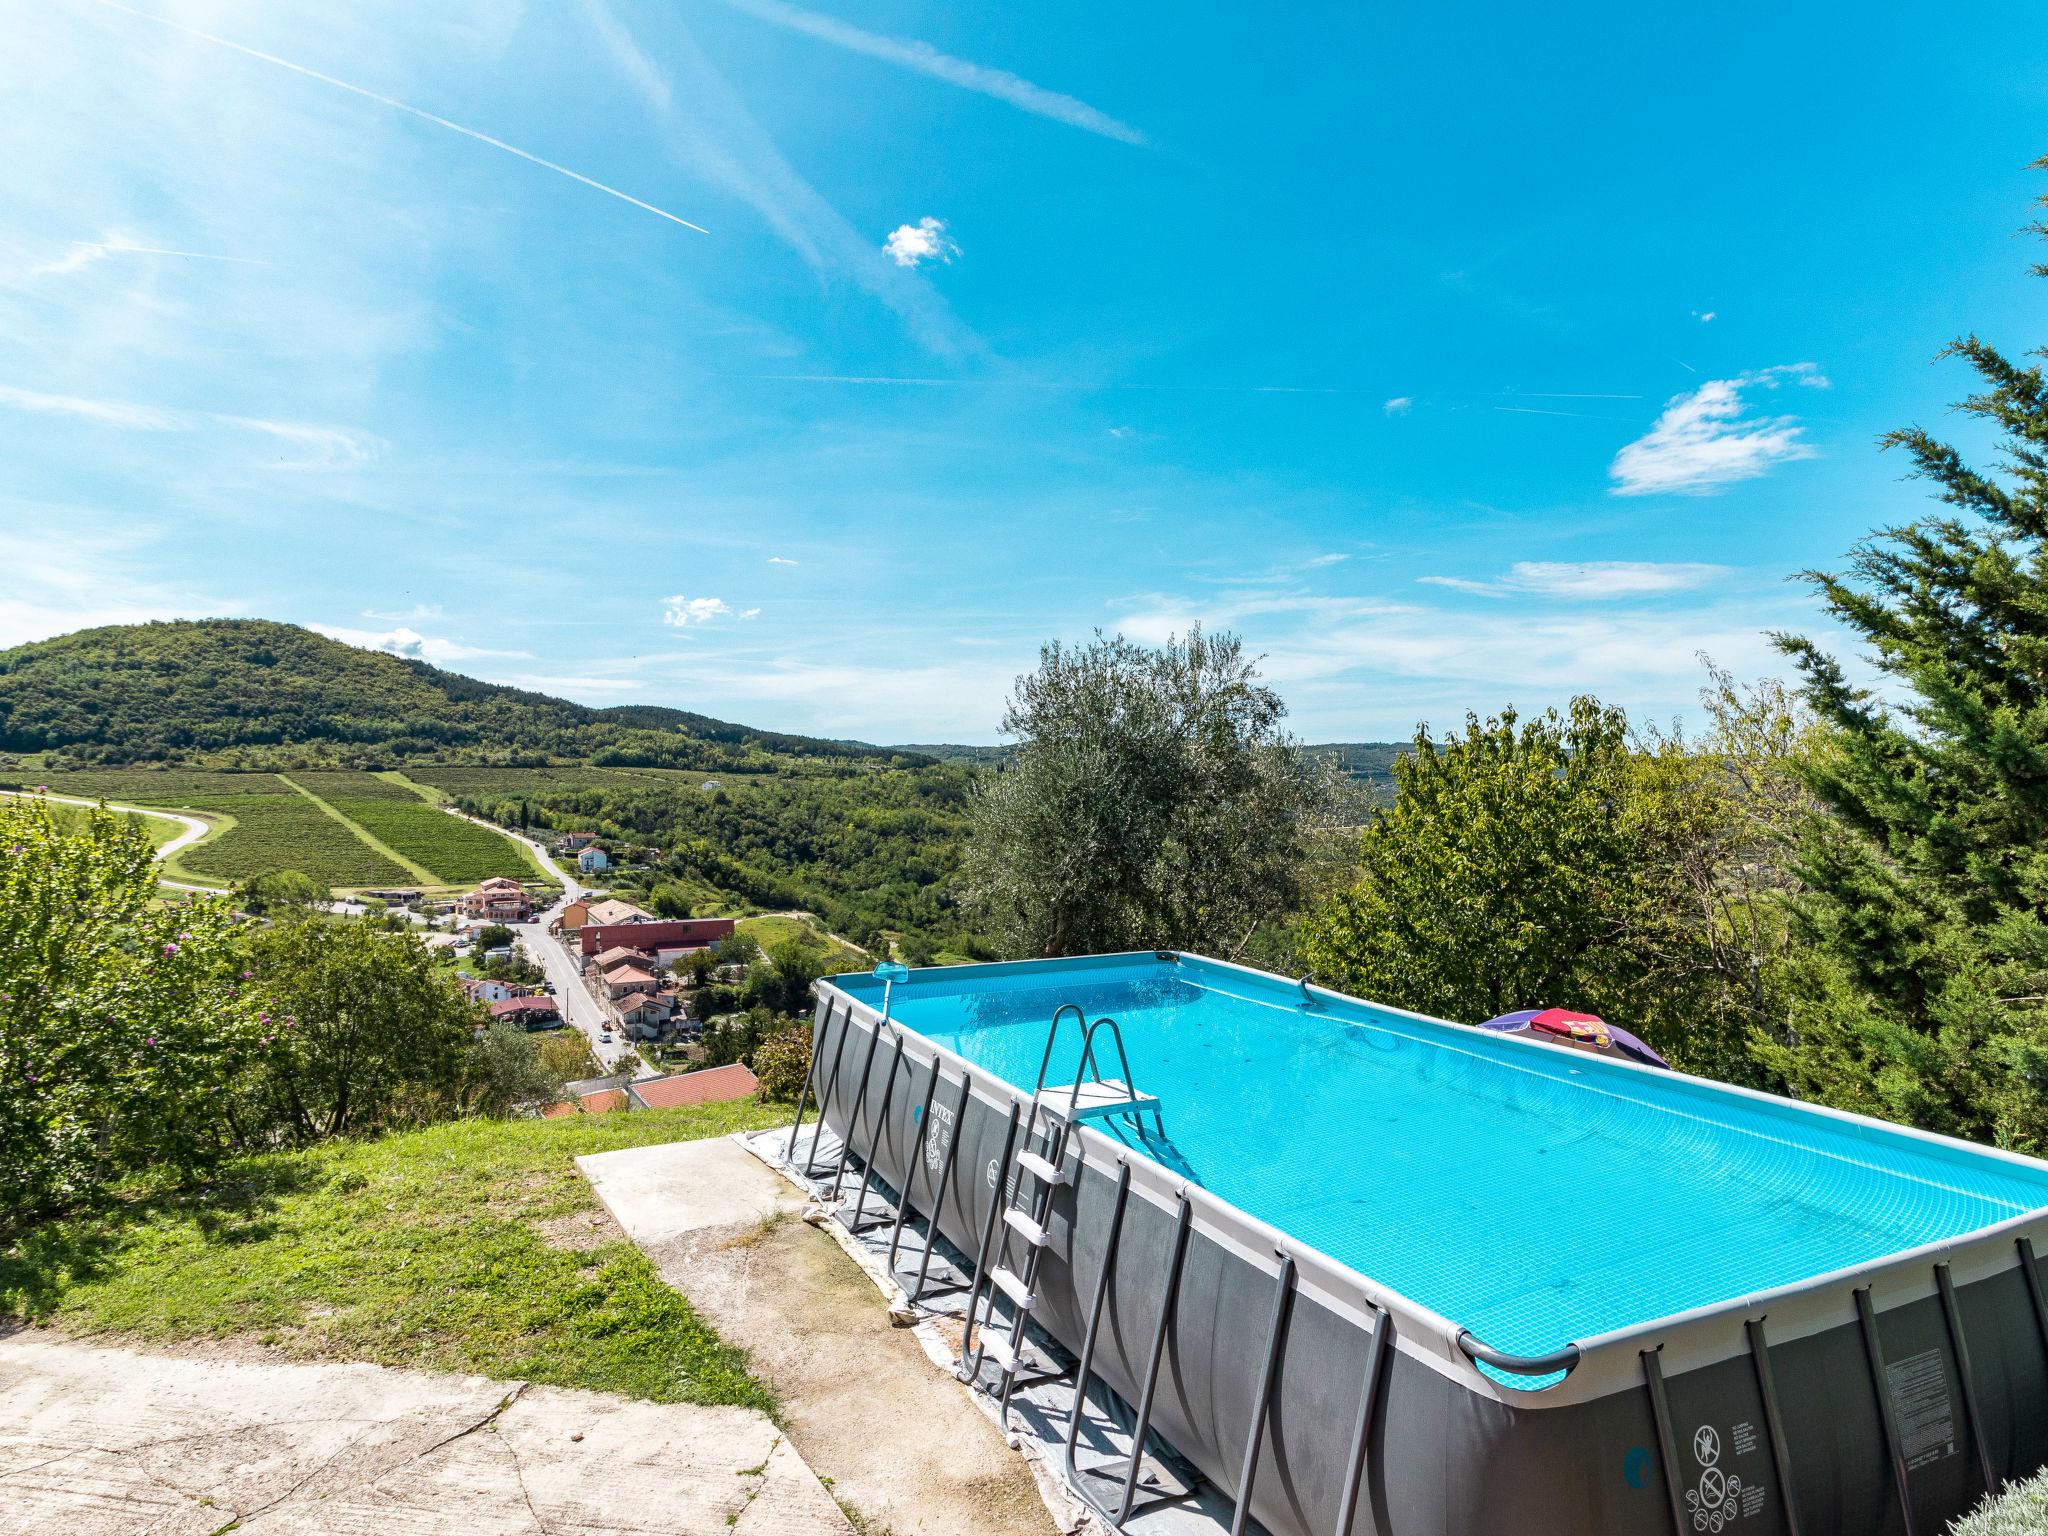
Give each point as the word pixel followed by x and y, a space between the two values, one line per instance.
pixel 1455 356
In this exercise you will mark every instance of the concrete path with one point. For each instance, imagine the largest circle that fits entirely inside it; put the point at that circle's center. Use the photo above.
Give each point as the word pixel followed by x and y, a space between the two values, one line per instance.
pixel 902 1443
pixel 113 1442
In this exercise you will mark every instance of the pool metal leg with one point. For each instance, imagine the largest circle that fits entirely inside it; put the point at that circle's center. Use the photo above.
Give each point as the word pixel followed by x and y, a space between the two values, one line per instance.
pixel 931 1236
pixel 1667 1443
pixel 1952 1314
pixel 970 1357
pixel 860 1095
pixel 910 1163
pixel 1866 1316
pixel 1183 1223
pixel 2031 1268
pixel 1276 1338
pixel 810 1077
pixel 1361 1433
pixel 831 1084
pixel 1087 1361
pixel 1774 1426
pixel 867 1172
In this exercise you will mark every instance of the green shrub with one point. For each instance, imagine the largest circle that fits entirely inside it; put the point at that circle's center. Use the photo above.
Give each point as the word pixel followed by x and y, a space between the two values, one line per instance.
pixel 2022 1510
pixel 780 1062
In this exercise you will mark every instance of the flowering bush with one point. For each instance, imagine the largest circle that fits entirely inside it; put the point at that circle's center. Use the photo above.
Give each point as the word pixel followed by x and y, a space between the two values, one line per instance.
pixel 123 1019
pixel 780 1062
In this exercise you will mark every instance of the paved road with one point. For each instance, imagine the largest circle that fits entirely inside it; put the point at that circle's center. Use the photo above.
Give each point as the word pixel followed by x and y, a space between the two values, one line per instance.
pixel 195 829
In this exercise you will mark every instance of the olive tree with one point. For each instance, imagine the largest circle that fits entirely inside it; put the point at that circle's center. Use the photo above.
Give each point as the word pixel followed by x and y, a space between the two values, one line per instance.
pixel 1152 801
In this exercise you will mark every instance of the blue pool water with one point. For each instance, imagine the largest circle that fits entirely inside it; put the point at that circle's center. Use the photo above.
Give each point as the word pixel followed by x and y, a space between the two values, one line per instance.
pixel 1525 1192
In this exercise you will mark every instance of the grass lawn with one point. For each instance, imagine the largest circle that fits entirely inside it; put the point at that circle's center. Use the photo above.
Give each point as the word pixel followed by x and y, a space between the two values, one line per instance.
pixel 429 1249
pixel 776 927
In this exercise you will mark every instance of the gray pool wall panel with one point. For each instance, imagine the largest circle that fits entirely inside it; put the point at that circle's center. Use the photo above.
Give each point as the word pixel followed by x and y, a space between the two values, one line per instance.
pixel 1453 1451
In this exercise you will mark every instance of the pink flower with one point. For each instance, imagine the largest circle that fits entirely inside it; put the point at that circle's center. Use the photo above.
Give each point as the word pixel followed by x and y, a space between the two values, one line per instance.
pixel 170 949
pixel 149 1039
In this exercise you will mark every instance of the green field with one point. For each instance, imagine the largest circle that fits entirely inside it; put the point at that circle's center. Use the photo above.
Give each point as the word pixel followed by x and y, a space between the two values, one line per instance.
pixel 266 824
pixel 453 851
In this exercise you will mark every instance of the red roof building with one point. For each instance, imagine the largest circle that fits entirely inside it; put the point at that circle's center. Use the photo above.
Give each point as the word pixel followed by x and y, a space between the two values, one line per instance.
pixel 498 899
pixel 533 1012
pixel 713 1085
pixel 667 933
pixel 602 1102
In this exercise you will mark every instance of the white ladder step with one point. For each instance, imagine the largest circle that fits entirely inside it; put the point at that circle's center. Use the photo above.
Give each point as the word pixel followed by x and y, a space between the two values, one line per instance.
pixel 1008 1360
pixel 1012 1285
pixel 1093 1099
pixel 1024 1227
pixel 1040 1168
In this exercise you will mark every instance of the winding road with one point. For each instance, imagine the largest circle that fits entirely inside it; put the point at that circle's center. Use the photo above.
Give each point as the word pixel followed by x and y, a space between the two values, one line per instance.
pixel 195 829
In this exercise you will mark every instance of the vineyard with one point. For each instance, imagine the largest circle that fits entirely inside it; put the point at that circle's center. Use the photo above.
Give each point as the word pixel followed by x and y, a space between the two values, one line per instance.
pixel 270 825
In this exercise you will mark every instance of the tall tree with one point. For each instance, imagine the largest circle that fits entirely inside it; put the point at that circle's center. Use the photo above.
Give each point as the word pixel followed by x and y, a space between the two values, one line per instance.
pixel 1153 801
pixel 363 1032
pixel 1504 874
pixel 1929 878
pixel 122 1017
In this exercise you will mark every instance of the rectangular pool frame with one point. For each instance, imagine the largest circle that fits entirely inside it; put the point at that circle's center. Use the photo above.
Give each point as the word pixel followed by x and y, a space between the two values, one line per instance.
pixel 1883 1398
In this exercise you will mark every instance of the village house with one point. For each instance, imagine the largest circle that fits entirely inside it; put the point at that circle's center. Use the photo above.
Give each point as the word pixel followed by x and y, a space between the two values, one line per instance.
pixel 483 989
pixel 655 934
pixel 591 860
pixel 575 916
pixel 528 1012
pixel 627 980
pixel 712 1085
pixel 498 900
pixel 574 842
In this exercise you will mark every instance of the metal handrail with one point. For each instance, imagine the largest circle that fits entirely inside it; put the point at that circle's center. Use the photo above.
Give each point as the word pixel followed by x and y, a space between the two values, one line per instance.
pixel 1518 1365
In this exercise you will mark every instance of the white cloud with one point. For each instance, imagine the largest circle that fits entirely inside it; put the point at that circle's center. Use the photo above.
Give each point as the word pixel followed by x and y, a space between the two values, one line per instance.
pixel 683 611
pixel 779 560
pixel 325 447
pixel 1705 317
pixel 910 53
pixel 1704 442
pixel 58 582
pixel 419 613
pixel 1400 405
pixel 113 413
pixel 1588 580
pixel 409 643
pixel 909 245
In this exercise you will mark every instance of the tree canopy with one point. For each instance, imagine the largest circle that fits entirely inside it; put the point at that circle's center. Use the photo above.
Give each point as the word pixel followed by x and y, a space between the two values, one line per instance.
pixel 1152 801
pixel 1927 878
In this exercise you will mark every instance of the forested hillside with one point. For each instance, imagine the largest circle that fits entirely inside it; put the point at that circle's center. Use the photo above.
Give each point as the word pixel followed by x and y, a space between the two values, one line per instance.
pixel 247 693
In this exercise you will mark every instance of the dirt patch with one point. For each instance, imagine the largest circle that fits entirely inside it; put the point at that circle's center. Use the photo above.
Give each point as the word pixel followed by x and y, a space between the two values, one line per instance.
pixel 903 1449
pixel 580 1231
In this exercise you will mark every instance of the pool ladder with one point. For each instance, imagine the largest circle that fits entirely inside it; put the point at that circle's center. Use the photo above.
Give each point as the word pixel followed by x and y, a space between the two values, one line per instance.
pixel 1014 1238
pixel 1024 1220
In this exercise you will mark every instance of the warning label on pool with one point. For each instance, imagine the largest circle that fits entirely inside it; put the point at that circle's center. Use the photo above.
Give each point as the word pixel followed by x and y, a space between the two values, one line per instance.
pixel 1926 1413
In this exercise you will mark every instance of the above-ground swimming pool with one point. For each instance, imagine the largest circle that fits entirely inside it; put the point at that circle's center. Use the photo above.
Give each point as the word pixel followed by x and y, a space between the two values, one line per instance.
pixel 1522 1288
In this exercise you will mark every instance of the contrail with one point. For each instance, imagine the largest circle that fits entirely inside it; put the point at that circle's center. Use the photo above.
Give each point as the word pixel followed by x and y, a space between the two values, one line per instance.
pixel 400 106
pixel 1055 384
pixel 84 253
pixel 911 53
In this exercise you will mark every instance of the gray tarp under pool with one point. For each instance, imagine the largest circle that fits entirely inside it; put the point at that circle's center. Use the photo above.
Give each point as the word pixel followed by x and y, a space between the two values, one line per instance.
pixel 1805 1410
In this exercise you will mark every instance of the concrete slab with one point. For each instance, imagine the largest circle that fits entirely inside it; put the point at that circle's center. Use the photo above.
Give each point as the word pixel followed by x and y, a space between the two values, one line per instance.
pixel 659 1192
pixel 904 1446
pixel 116 1442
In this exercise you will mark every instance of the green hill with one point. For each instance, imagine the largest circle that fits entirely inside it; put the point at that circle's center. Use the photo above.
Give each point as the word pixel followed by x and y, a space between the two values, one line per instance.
pixel 247 693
